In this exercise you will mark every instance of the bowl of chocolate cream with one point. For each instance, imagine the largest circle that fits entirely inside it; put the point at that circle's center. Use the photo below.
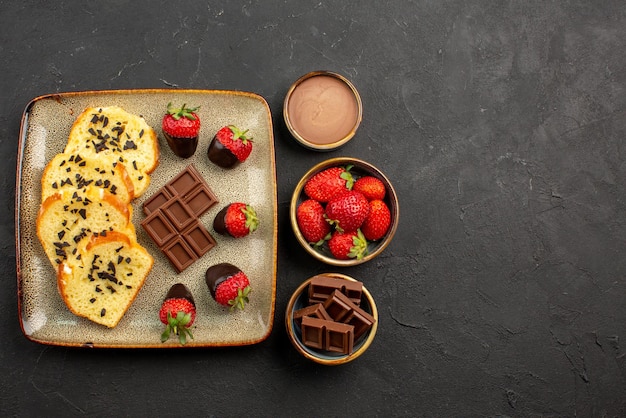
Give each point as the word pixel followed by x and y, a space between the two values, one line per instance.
pixel 322 110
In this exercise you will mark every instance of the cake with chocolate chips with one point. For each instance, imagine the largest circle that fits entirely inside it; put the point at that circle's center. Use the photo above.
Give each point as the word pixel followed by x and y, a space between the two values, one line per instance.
pixel 115 136
pixel 84 222
pixel 112 270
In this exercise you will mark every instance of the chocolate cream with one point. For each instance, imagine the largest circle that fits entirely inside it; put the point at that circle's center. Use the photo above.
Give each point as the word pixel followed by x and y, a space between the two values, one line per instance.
pixel 323 109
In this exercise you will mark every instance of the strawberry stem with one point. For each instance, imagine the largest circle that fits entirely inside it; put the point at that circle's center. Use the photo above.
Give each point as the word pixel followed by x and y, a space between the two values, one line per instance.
pixel 359 246
pixel 347 176
pixel 252 221
pixel 178 326
pixel 241 299
pixel 182 112
pixel 238 134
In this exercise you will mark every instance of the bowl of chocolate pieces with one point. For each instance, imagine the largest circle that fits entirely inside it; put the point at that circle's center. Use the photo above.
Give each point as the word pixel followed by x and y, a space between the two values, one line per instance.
pixel 331 319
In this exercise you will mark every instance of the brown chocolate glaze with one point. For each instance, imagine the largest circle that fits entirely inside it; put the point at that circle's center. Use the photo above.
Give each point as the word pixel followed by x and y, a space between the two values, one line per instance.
pixel 218 273
pixel 180 291
pixel 219 223
pixel 183 147
pixel 221 155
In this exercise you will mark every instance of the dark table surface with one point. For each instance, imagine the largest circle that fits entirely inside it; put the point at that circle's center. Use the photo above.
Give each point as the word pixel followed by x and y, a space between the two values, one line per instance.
pixel 502 126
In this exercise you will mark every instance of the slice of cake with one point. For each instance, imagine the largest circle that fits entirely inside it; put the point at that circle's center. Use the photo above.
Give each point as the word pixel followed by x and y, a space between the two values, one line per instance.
pixel 102 287
pixel 67 220
pixel 75 172
pixel 114 136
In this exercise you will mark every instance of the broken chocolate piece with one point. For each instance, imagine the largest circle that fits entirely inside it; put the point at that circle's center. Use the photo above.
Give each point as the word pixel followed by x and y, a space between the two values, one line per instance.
pixel 322 286
pixel 314 311
pixel 341 309
pixel 327 335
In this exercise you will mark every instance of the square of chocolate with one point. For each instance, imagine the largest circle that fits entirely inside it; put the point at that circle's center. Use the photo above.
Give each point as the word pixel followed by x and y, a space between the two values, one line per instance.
pixel 177 212
pixel 198 238
pixel 185 181
pixel 200 199
pixel 180 254
pixel 159 228
pixel 312 333
pixel 339 337
pixel 156 201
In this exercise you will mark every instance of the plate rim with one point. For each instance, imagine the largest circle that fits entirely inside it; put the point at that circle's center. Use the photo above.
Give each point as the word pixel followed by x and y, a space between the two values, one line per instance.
pixel 22 142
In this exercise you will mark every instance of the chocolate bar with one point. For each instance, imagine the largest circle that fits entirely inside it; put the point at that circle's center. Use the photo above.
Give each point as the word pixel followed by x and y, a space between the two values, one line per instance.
pixel 173 214
pixel 327 335
pixel 322 286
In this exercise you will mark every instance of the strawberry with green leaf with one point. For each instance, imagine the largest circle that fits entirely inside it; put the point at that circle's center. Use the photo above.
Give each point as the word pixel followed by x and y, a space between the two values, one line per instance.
pixel 228 285
pixel 347 245
pixel 328 183
pixel 230 146
pixel 236 219
pixel 178 313
pixel 181 128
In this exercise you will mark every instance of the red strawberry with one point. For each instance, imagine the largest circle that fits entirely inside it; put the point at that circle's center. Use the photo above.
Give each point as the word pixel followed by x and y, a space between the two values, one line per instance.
pixel 347 211
pixel 237 220
pixel 377 222
pixel 230 146
pixel 326 184
pixel 344 246
pixel 228 285
pixel 181 127
pixel 371 187
pixel 178 312
pixel 310 218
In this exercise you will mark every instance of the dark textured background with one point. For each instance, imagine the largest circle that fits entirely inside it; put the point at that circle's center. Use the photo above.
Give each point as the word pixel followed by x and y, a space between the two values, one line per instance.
pixel 502 126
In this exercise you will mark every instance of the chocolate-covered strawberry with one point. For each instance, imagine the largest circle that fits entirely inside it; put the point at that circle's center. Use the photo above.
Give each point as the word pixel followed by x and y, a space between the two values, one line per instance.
pixel 181 127
pixel 178 312
pixel 228 285
pixel 229 147
pixel 236 219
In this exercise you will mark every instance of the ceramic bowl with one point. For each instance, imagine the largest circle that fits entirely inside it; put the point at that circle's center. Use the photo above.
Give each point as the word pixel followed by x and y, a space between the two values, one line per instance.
pixel 322 110
pixel 359 168
pixel 299 299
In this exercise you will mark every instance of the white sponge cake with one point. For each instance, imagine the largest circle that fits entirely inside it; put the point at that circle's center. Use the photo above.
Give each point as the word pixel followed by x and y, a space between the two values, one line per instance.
pixel 102 288
pixel 114 136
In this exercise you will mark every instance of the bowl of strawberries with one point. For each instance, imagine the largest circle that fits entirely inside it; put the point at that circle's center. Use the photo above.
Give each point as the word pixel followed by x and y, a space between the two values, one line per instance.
pixel 344 211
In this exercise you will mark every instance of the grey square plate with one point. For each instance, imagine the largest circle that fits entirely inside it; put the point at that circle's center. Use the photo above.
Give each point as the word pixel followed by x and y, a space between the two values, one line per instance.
pixel 43 315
